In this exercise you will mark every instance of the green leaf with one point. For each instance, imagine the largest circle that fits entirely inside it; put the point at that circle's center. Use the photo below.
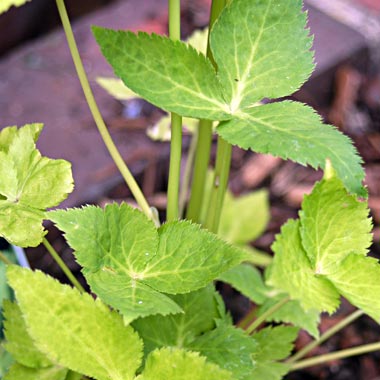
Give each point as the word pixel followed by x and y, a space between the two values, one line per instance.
pixel 199 314
pixel 293 313
pixel 244 218
pixel 358 280
pixel 333 225
pixel 177 364
pixel 291 271
pixel 30 184
pixel 126 260
pixel 248 281
pixel 262 49
pixel 292 130
pixel 6 4
pixel 74 330
pixel 229 347
pixel 18 341
pixel 19 372
pixel 270 370
pixel 275 343
pixel 169 74
pixel 198 40
pixel 116 88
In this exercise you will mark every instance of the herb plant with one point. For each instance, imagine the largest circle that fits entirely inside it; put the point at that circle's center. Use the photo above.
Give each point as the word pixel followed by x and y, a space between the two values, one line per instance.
pixel 157 314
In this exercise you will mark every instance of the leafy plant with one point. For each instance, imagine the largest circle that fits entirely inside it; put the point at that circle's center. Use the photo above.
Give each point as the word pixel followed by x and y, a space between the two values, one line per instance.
pixel 157 314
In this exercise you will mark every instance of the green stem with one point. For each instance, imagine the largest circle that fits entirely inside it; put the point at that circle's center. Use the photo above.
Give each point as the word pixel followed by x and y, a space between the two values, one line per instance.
pixel 202 158
pixel 253 326
pixel 329 333
pixel 62 265
pixel 115 154
pixel 71 375
pixel 364 349
pixel 202 155
pixel 187 174
pixel 220 182
pixel 5 259
pixel 172 212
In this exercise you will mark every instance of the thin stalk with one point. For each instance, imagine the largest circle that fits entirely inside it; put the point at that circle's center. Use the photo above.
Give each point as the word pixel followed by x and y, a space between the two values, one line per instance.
pixel 329 333
pixel 364 349
pixel 5 259
pixel 187 173
pixel 115 154
pixel 172 212
pixel 202 155
pixel 253 326
pixel 221 174
pixel 62 265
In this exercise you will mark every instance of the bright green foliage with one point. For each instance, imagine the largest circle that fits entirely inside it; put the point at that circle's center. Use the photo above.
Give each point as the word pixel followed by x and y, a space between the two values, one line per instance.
pixel 317 262
pixel 293 273
pixel 74 330
pixel 334 225
pixel 6 4
pixel 229 347
pixel 30 184
pixel 169 74
pixel 177 364
pixel 292 130
pixel 18 341
pixel 19 372
pixel 244 218
pixel 6 361
pixel 116 88
pixel 198 40
pixel 247 280
pixel 273 344
pixel 126 260
pixel 262 50
pixel 199 314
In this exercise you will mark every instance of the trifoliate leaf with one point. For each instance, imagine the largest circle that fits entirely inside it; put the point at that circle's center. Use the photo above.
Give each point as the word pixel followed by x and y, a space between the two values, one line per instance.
pixel 169 74
pixel 358 280
pixel 244 218
pixel 248 281
pixel 177 364
pixel 199 314
pixel 30 184
pixel 230 348
pixel 126 260
pixel 116 88
pixel 292 130
pixel 19 372
pixel 264 55
pixel 18 341
pixel 333 225
pixel 291 271
pixel 6 4
pixel 73 330
pixel 293 313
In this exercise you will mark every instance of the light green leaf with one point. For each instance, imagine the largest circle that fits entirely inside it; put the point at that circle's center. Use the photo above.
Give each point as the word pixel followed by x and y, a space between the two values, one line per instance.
pixel 270 370
pixel 266 54
pixel 6 4
pixel 292 130
pixel 74 330
pixel 171 75
pixel 30 184
pixel 198 40
pixel 177 364
pixel 18 342
pixel 19 372
pixel 126 260
pixel 228 347
pixel 248 281
pixel 293 313
pixel 199 314
pixel 116 88
pixel 291 271
pixel 275 343
pixel 244 218
pixel 333 225
pixel 358 280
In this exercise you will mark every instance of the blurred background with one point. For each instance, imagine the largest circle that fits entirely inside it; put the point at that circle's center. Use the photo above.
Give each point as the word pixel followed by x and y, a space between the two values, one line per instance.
pixel 38 84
